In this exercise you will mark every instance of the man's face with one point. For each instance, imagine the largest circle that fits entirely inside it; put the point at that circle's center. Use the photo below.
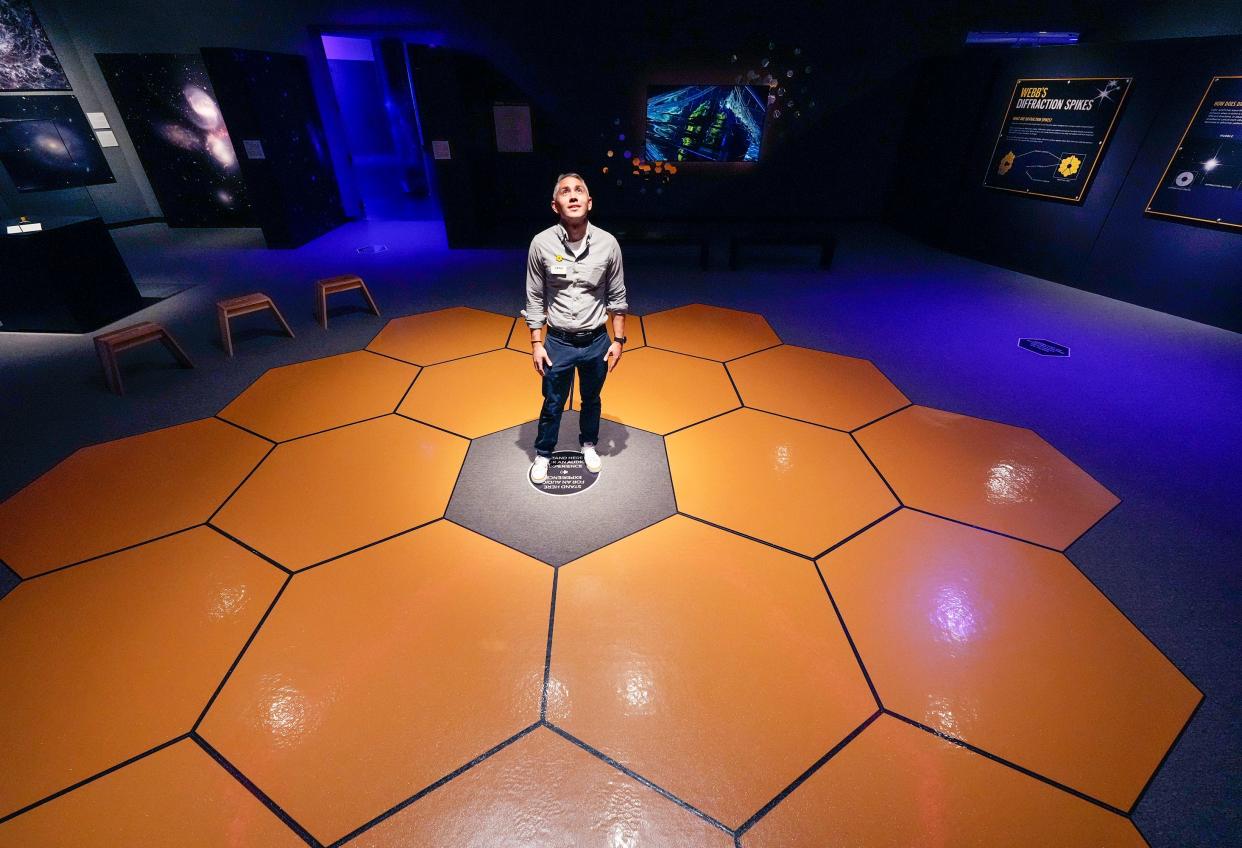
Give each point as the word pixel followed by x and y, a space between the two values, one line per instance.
pixel 571 202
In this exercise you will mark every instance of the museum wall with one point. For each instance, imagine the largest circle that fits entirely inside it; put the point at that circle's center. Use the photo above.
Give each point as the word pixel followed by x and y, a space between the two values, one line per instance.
pixel 1105 243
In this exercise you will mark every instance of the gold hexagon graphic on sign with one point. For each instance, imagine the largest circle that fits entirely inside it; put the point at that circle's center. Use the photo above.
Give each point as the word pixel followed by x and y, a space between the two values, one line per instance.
pixel 1005 163
pixel 1069 166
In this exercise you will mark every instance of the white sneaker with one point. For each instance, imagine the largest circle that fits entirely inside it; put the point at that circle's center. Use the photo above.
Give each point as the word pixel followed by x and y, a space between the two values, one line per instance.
pixel 539 469
pixel 593 462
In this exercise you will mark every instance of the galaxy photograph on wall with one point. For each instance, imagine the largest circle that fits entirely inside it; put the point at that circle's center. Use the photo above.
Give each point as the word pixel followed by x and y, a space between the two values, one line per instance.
pixel 705 123
pixel 172 116
pixel 27 60
pixel 46 143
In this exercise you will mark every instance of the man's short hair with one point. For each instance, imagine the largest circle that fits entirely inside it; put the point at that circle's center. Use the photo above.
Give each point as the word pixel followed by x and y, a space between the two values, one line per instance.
pixel 557 184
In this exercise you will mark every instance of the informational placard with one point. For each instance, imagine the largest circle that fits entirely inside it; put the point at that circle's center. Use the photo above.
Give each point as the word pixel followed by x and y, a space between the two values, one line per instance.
pixel 513 133
pixel 1054 135
pixel 1203 181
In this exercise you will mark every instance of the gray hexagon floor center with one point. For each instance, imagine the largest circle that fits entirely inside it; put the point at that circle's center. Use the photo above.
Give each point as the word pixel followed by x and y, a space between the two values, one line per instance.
pixel 494 496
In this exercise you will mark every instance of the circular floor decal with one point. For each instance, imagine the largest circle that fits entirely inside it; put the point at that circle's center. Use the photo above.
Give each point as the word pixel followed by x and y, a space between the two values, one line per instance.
pixel 567 475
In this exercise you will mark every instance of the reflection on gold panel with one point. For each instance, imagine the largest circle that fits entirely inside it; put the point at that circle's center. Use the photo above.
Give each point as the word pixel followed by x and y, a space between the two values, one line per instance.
pixel 1008 647
pixel 327 494
pixel 308 397
pixel 709 664
pixel 824 388
pixel 120 493
pixel 658 391
pixel 709 331
pixel 896 786
pixel 101 662
pixel 380 673
pixel 177 796
pixel 543 791
pixel 796 485
pixel 519 339
pixel 431 337
pixel 476 395
pixel 992 475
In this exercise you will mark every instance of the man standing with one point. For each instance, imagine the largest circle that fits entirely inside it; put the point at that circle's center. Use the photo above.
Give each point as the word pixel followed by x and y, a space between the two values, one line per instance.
pixel 574 282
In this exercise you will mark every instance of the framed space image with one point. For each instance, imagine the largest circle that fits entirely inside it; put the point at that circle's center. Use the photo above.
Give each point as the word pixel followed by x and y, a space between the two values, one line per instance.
pixel 46 143
pixel 171 113
pixel 705 123
pixel 27 60
pixel 1203 180
pixel 1054 134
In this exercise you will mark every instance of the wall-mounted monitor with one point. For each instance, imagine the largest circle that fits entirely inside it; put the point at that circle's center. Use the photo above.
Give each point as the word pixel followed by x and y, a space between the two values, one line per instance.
pixel 1054 135
pixel 705 123
pixel 1203 180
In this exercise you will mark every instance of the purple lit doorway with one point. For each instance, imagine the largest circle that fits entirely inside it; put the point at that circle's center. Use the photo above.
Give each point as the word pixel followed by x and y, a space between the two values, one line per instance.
pixel 371 82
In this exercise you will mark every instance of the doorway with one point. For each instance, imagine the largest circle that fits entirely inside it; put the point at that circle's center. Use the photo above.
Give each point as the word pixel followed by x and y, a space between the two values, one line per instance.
pixel 371 81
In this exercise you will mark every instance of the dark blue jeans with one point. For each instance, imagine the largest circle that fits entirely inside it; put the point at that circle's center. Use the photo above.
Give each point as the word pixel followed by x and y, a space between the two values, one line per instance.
pixel 557 382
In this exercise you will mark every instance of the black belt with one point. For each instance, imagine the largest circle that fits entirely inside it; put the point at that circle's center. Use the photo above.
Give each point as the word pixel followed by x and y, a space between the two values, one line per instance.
pixel 581 339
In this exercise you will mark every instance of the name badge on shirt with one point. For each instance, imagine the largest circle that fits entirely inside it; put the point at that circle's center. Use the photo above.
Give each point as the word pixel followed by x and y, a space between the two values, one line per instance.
pixel 558 270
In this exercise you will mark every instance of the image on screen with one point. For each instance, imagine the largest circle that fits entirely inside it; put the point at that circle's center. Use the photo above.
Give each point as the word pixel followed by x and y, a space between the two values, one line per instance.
pixel 27 60
pixel 46 143
pixel 705 123
pixel 170 110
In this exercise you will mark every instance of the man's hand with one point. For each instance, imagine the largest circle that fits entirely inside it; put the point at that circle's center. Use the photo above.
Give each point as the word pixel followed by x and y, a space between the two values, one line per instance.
pixel 613 356
pixel 541 359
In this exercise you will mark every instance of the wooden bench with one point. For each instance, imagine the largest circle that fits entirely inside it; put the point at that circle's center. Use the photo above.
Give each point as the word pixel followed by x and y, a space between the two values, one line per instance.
pixel 335 285
pixel 247 303
pixel 109 344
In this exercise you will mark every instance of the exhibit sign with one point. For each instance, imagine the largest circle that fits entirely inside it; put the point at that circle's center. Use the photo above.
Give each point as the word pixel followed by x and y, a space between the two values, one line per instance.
pixel 27 60
pixel 1054 134
pixel 1203 180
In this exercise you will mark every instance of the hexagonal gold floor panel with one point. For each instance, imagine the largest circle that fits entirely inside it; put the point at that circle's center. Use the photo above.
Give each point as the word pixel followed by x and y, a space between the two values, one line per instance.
pixel 355 693
pixel 796 485
pixel 476 395
pixel 711 665
pixel 177 796
pixel 543 791
pixel 659 392
pixel 1007 646
pixel 991 475
pixel 101 662
pixel 519 339
pixel 896 786
pixel 307 397
pixel 692 671
pixel 824 388
pixel 109 496
pixel 709 331
pixel 432 337
pixel 324 495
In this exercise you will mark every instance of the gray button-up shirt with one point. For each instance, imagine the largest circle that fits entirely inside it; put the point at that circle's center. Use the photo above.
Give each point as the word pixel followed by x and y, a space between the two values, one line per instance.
pixel 573 293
